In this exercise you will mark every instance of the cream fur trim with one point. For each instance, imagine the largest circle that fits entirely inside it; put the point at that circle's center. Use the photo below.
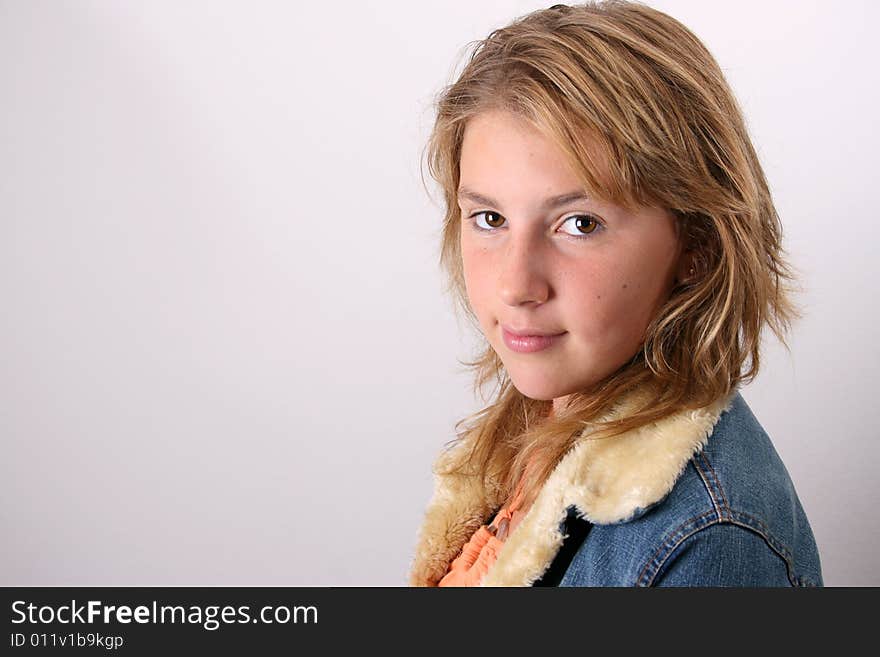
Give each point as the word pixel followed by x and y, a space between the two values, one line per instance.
pixel 608 480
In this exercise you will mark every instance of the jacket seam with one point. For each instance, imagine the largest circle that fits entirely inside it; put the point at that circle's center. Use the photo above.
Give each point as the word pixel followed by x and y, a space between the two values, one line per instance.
pixel 713 486
pixel 645 580
pixel 723 513
pixel 669 544
pixel 759 527
pixel 715 490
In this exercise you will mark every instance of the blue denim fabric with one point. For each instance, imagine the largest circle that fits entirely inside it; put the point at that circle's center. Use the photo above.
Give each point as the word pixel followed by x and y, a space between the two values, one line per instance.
pixel 733 518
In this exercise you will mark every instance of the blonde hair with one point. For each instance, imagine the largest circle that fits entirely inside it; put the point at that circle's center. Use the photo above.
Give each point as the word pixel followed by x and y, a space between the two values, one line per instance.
pixel 642 111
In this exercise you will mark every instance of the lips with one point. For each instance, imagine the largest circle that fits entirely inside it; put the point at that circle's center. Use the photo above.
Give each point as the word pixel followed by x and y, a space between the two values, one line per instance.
pixel 530 332
pixel 529 340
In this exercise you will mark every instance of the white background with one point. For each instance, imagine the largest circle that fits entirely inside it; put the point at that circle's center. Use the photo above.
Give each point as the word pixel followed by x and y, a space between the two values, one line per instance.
pixel 225 353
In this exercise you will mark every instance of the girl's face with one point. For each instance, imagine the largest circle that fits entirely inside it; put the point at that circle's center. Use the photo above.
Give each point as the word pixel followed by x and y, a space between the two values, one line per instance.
pixel 541 258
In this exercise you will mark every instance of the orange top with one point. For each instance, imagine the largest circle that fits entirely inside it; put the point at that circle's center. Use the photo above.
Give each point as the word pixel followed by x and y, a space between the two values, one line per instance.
pixel 480 552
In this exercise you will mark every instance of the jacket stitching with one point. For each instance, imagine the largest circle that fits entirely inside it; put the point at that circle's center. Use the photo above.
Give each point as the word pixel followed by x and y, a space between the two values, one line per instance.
pixel 718 486
pixel 713 486
pixel 653 565
pixel 758 526
pixel 723 513
pixel 774 545
pixel 690 527
pixel 757 523
pixel 646 581
pixel 749 521
pixel 708 487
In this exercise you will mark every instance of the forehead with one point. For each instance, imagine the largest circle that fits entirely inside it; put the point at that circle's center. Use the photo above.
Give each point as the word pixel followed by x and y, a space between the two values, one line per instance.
pixel 505 154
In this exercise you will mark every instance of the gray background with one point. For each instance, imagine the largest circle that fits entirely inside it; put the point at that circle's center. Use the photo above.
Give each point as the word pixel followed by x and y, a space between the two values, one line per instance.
pixel 225 354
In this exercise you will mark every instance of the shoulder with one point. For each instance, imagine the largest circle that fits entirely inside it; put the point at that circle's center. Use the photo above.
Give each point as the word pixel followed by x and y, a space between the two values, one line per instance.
pixel 721 554
pixel 733 518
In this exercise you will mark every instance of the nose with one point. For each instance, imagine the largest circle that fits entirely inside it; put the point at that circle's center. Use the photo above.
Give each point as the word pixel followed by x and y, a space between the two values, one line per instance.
pixel 520 277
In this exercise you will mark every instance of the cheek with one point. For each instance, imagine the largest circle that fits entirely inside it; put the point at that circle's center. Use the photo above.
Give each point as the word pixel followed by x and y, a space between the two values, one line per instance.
pixel 606 300
pixel 625 309
pixel 476 270
pixel 595 299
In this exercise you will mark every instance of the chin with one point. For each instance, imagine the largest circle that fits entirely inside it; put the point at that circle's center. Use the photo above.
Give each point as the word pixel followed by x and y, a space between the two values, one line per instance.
pixel 536 388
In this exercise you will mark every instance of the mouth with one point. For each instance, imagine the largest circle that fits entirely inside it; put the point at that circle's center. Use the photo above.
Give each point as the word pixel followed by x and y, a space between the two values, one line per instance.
pixel 529 340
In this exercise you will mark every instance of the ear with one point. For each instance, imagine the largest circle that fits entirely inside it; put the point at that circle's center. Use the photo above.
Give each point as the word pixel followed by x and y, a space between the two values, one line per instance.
pixel 687 267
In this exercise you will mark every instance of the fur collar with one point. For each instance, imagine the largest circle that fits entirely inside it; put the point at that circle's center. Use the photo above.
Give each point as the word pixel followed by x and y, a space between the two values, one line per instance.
pixel 608 481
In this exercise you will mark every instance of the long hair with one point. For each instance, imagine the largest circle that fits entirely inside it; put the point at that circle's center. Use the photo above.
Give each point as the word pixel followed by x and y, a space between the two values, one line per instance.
pixel 643 114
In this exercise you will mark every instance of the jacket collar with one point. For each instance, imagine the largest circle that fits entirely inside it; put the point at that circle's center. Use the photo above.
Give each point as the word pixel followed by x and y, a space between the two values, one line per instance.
pixel 608 481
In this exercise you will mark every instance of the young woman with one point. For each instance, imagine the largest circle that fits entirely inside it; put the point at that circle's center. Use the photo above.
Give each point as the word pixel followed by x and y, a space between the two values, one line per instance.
pixel 610 231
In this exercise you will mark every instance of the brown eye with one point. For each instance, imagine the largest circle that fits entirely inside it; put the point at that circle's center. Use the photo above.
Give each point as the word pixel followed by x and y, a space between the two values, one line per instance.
pixel 583 225
pixel 493 219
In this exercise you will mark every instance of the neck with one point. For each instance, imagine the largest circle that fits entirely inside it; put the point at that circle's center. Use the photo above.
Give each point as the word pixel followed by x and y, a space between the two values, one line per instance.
pixel 558 405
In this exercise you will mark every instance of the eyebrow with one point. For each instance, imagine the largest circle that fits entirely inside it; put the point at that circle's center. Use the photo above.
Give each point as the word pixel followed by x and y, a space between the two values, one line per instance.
pixel 548 204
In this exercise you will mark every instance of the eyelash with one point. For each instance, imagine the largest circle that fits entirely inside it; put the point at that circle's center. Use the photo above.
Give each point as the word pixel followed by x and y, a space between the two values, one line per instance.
pixel 599 225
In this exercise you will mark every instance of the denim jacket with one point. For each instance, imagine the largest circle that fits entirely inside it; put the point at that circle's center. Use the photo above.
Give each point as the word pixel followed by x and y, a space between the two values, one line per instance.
pixel 700 498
